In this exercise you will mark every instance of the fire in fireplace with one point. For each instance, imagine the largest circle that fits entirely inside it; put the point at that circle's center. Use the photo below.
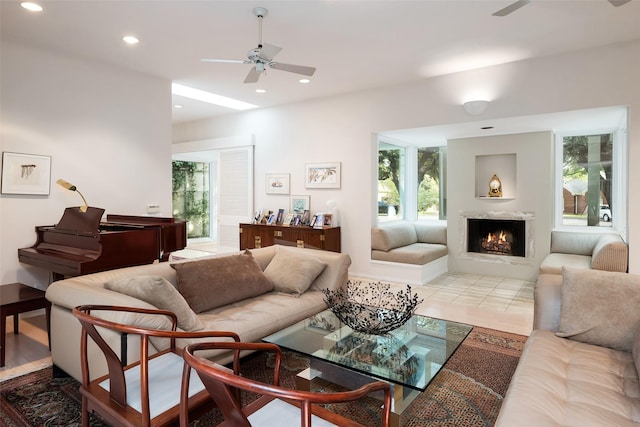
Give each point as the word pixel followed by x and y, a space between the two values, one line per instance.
pixel 496 236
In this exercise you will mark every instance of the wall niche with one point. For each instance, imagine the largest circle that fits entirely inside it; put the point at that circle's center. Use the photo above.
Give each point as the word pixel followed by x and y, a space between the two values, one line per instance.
pixel 504 166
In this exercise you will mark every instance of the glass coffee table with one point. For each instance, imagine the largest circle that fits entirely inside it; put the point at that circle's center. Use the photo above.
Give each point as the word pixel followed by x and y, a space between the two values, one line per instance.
pixel 408 357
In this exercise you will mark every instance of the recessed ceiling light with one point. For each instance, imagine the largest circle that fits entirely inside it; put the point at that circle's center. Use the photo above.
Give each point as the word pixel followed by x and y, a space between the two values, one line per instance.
pixel 30 6
pixel 261 91
pixel 177 106
pixel 304 81
pixel 130 39
pixel 211 98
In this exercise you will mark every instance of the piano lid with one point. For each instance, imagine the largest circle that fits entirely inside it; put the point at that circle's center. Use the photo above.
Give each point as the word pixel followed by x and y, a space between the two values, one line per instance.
pixel 81 222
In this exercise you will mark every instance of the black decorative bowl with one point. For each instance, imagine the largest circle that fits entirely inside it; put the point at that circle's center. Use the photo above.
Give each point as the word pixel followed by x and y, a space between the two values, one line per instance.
pixel 372 308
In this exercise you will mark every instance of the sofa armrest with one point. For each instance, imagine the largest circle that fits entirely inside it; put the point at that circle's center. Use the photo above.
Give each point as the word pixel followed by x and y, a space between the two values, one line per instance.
pixel 547 298
pixel 610 254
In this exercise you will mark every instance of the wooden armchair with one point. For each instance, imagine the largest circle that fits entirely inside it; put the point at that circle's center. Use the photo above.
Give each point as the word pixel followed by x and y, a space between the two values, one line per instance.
pixel 144 393
pixel 277 405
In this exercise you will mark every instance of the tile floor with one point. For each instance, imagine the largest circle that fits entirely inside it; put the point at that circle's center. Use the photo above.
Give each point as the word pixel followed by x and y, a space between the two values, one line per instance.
pixel 487 301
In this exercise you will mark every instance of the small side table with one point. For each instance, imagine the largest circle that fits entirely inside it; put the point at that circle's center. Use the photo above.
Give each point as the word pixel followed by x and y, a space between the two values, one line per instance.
pixel 17 298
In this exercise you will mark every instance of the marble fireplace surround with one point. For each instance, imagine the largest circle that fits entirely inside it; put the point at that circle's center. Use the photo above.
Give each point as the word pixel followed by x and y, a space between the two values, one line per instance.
pixel 529 219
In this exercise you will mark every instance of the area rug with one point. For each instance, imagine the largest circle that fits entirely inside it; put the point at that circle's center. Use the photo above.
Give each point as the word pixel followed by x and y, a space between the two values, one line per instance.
pixel 468 391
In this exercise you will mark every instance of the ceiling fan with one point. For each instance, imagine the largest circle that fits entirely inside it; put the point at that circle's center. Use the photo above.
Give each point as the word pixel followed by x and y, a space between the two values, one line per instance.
pixel 262 56
pixel 519 3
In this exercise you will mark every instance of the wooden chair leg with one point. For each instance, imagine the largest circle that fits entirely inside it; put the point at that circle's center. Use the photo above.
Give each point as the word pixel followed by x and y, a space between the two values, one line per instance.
pixel 85 412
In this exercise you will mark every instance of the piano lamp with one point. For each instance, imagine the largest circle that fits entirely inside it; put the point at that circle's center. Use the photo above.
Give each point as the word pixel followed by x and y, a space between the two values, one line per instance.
pixel 71 187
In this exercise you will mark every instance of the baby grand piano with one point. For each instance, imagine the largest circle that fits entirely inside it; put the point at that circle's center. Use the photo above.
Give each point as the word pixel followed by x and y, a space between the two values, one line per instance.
pixel 81 244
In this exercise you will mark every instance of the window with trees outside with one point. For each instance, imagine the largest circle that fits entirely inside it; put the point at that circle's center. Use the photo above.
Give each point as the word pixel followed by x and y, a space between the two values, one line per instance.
pixel 191 196
pixel 411 183
pixel 588 180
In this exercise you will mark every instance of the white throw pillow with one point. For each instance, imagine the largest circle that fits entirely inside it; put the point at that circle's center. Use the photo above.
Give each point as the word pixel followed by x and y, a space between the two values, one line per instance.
pixel 292 272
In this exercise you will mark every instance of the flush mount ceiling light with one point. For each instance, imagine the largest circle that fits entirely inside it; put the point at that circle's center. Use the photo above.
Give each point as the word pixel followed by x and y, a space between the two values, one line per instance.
pixel 475 107
pixel 130 39
pixel 304 81
pixel 30 6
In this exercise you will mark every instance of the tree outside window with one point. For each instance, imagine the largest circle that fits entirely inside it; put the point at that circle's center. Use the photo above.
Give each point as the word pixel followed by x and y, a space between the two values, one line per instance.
pixel 191 196
pixel 587 175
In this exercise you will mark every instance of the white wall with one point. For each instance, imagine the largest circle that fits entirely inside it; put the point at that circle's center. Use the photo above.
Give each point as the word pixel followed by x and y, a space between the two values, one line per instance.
pixel 530 189
pixel 341 128
pixel 107 130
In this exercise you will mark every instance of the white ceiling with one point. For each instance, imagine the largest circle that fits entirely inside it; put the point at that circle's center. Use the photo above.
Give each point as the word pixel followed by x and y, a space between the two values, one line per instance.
pixel 354 45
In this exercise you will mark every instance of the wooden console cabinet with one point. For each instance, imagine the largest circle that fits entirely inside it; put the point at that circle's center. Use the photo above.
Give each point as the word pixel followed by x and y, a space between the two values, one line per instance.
pixel 257 236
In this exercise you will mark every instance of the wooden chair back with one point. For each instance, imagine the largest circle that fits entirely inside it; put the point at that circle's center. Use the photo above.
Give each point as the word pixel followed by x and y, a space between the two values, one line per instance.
pixel 222 384
pixel 114 404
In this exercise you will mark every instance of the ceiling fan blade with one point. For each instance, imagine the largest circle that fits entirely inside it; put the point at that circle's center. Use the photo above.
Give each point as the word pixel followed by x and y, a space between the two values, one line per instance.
pixel 298 69
pixel 618 3
pixel 232 61
pixel 253 76
pixel 268 51
pixel 511 8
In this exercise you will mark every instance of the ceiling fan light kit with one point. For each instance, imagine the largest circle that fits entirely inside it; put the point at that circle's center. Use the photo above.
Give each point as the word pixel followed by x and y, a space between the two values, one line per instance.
pixel 261 56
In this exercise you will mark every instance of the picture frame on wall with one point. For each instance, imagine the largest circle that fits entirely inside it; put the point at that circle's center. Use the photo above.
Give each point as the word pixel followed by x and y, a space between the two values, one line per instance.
pixel 277 183
pixel 298 204
pixel 27 174
pixel 323 175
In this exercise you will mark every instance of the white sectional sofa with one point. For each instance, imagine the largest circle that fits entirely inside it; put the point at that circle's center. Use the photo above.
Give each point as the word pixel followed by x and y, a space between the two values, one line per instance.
pixel 193 289
pixel 579 366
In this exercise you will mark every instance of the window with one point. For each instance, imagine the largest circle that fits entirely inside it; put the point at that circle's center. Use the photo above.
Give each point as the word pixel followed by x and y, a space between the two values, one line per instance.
pixel 391 171
pixel 431 180
pixel 411 182
pixel 191 196
pixel 589 180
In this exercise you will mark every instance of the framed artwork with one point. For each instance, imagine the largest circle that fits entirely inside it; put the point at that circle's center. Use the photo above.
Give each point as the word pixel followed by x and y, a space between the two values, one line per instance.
pixel 277 183
pixel 26 174
pixel 298 204
pixel 322 175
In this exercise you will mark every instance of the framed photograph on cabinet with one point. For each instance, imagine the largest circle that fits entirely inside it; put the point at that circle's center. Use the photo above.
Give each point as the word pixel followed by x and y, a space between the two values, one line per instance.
pixel 277 183
pixel 322 175
pixel 27 174
pixel 298 204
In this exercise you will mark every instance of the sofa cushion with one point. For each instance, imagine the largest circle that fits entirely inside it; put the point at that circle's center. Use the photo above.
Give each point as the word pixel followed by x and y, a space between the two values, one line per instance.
pixel 431 232
pixel 292 272
pixel 570 242
pixel 214 282
pixel 600 308
pixel 392 236
pixel 553 263
pixel 160 293
pixel 561 382
pixel 417 253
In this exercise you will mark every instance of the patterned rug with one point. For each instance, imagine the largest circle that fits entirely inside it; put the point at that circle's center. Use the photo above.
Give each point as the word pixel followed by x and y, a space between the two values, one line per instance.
pixel 468 391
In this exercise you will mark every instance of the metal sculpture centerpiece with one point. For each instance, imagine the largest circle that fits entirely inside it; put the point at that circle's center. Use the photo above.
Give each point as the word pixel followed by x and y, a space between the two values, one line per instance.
pixel 374 308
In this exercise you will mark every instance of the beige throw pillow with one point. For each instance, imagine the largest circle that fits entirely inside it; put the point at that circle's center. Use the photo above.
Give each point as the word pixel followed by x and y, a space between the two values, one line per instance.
pixel 600 307
pixel 160 293
pixel 292 272
pixel 215 282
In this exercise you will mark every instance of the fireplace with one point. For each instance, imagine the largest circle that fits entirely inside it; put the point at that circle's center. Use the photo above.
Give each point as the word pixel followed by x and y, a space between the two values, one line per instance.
pixel 505 237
